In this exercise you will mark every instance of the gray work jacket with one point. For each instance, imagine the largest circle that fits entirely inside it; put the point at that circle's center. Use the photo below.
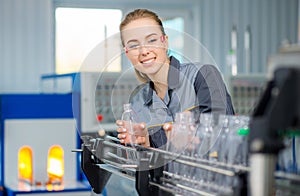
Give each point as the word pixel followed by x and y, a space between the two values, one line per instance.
pixel 191 86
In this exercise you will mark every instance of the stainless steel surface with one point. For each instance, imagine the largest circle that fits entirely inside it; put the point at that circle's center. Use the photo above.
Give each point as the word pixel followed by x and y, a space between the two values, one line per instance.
pixel 262 174
pixel 261 179
pixel 164 188
pixel 212 186
pixel 113 138
pixel 287 176
pixel 115 170
pixel 77 150
pixel 173 156
pixel 207 167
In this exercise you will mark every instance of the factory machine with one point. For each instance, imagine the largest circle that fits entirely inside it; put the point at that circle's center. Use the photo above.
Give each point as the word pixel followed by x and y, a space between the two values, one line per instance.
pixel 98 99
pixel 102 95
pixel 39 131
pixel 261 174
pixel 38 134
pixel 245 91
pixel 262 159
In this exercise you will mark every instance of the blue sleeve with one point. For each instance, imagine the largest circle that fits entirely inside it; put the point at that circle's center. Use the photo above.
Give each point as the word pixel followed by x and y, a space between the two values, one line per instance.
pixel 211 91
pixel 157 136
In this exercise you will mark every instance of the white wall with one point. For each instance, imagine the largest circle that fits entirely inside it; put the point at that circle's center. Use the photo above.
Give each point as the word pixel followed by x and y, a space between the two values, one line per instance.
pixel 26 44
pixel 271 21
pixel 27 36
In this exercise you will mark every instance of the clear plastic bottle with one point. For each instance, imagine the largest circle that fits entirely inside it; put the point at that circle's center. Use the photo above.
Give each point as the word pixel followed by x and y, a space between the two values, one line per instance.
pixel 204 132
pixel 237 145
pixel 230 147
pixel 243 132
pixel 180 140
pixel 233 140
pixel 222 144
pixel 216 145
pixel 224 126
pixel 181 133
pixel 202 149
pixel 130 117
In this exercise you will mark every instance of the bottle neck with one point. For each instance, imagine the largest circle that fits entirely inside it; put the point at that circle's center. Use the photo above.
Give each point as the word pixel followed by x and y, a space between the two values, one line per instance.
pixel 127 107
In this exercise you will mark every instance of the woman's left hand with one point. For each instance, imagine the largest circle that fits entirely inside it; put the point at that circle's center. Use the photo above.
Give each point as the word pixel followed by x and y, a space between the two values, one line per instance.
pixel 140 133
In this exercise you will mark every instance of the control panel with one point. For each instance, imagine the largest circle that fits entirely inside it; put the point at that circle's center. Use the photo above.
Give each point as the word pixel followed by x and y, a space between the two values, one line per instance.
pixel 245 91
pixel 102 98
pixel 102 95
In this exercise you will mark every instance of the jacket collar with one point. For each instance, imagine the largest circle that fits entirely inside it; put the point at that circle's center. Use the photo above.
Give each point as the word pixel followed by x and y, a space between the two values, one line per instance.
pixel 174 73
pixel 173 79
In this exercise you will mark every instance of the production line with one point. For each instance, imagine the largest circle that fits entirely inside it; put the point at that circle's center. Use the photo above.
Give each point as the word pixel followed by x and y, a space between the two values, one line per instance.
pixel 149 98
pixel 150 168
pixel 267 158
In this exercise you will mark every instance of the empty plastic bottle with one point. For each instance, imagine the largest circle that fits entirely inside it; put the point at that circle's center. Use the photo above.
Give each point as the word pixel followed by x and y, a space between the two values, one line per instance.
pixel 180 140
pixel 130 119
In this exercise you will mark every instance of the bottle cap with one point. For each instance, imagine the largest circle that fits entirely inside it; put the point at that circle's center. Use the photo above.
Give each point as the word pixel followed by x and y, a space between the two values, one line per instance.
pixel 243 131
pixel 127 106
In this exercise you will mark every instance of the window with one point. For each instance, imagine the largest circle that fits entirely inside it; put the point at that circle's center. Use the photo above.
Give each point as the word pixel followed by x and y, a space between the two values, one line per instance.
pixel 174 29
pixel 78 31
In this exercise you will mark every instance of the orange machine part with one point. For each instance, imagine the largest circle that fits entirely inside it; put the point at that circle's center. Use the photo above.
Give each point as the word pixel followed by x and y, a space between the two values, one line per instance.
pixel 55 166
pixel 25 164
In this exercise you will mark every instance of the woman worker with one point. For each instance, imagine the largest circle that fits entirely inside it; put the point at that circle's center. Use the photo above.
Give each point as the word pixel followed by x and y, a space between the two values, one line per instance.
pixel 168 86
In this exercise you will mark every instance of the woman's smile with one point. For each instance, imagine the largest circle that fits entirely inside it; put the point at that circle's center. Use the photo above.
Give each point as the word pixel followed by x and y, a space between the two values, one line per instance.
pixel 147 61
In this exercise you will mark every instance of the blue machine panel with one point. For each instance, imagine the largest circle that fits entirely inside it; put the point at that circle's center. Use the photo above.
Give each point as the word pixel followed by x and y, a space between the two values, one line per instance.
pixel 29 106
pixel 36 106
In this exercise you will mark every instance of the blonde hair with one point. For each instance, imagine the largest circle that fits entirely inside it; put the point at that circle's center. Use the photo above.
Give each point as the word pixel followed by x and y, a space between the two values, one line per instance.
pixel 134 15
pixel 137 14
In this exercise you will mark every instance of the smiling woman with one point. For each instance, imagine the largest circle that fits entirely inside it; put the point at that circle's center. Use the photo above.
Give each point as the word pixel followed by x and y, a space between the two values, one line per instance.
pixel 146 46
pixel 169 86
pixel 78 31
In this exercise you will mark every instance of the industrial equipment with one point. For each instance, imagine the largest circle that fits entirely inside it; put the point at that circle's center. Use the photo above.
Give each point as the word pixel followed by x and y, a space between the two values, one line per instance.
pixel 98 97
pixel 38 134
pixel 150 169
pixel 97 101
pixel 269 127
pixel 245 91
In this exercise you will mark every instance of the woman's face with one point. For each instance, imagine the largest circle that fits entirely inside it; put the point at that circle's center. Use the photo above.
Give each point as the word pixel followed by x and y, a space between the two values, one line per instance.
pixel 145 45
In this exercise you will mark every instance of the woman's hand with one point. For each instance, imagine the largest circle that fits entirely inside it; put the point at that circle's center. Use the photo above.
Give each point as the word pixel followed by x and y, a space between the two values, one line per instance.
pixel 140 135
pixel 168 128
